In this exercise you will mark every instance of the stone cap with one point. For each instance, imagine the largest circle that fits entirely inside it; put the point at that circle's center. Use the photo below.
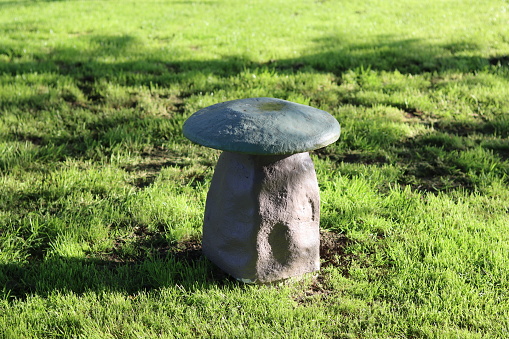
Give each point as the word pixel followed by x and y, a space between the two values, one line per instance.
pixel 262 126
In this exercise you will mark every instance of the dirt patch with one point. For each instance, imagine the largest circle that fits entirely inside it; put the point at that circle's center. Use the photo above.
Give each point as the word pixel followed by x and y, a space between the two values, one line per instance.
pixel 332 253
pixel 152 244
pixel 352 157
pixel 332 249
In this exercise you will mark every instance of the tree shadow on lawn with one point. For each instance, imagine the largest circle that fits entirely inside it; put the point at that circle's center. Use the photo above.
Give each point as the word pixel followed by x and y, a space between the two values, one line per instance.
pixel 149 68
pixel 153 67
pixel 182 264
pixel 185 265
pixel 389 53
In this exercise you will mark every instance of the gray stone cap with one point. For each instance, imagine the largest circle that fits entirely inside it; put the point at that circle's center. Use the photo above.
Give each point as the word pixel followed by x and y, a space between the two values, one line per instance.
pixel 262 126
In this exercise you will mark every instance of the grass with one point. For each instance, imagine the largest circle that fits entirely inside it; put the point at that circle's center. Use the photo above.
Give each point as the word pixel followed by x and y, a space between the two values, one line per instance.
pixel 101 197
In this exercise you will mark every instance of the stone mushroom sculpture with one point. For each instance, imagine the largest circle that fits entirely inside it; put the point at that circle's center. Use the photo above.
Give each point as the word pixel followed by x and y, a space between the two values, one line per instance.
pixel 262 212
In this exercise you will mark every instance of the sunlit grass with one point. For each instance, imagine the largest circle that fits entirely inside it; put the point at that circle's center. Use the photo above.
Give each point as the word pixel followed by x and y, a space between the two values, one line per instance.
pixel 101 197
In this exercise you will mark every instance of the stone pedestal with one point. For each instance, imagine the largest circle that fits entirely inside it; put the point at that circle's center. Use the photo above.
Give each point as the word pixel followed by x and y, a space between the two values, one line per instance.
pixel 262 217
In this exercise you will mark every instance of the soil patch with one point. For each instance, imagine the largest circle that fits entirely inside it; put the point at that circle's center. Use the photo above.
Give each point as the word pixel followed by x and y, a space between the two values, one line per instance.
pixel 189 251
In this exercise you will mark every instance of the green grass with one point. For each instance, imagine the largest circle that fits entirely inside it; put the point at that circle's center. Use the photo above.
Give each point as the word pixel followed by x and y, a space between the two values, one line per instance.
pixel 101 197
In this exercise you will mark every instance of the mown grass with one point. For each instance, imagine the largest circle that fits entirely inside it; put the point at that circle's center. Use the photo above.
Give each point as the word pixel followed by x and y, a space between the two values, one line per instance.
pixel 102 197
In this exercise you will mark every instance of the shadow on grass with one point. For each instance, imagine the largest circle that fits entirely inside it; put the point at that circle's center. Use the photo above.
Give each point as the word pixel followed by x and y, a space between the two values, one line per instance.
pixel 387 53
pixel 153 67
pixel 183 265
pixel 161 266
pixel 109 132
pixel 128 127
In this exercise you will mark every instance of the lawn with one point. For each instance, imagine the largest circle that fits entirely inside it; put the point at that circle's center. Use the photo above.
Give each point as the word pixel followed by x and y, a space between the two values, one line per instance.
pixel 102 198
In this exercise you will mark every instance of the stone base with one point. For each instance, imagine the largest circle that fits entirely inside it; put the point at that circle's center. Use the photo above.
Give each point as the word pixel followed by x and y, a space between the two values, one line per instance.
pixel 262 217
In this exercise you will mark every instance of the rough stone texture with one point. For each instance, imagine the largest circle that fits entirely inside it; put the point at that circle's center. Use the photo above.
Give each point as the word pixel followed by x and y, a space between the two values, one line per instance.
pixel 262 217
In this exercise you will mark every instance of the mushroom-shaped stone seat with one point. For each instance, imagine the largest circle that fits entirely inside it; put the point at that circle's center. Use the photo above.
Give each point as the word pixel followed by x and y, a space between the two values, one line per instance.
pixel 262 215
